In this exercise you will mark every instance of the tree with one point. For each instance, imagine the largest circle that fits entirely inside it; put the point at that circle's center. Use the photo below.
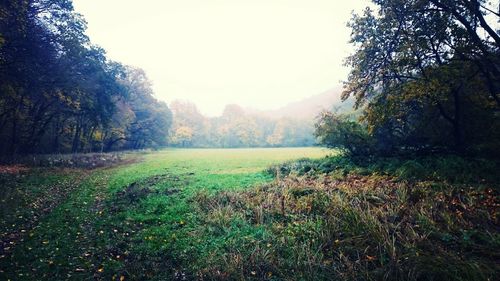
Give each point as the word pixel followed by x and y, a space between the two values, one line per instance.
pixel 60 93
pixel 419 58
pixel 236 128
pixel 186 114
pixel 183 136
pixel 141 121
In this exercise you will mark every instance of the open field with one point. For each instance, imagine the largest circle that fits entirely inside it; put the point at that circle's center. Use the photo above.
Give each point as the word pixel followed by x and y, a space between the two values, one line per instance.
pixel 135 221
pixel 253 214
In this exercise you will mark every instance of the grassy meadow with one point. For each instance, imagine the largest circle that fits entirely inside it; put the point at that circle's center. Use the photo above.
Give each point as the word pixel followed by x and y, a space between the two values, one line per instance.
pixel 252 214
pixel 133 221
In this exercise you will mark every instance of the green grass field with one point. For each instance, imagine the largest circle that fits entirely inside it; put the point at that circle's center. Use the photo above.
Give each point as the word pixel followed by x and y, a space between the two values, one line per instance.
pixel 137 221
pixel 252 214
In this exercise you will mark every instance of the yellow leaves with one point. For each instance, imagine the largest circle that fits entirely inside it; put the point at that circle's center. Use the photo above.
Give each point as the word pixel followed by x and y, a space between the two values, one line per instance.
pixel 182 134
pixel 98 135
pixel 121 278
pixel 370 258
pixel 100 269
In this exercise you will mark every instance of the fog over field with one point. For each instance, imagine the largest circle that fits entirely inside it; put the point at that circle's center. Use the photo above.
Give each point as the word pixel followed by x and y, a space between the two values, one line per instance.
pixel 214 54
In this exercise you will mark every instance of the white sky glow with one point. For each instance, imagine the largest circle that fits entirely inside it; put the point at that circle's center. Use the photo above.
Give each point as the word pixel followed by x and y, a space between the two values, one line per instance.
pixel 256 53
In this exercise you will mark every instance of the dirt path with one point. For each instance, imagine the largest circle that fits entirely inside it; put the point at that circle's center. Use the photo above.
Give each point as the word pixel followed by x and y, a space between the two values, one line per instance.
pixel 27 208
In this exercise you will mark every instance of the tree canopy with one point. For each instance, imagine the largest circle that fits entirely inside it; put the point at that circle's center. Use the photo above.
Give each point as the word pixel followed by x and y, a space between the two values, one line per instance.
pixel 427 74
pixel 59 92
pixel 236 128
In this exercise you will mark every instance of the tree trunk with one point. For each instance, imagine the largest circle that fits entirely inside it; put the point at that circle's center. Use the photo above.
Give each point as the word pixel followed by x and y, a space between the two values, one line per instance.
pixel 458 129
pixel 55 142
pixel 76 137
pixel 14 139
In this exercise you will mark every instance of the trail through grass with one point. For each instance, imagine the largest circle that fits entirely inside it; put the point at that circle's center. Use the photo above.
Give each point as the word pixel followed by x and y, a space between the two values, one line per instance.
pixel 140 221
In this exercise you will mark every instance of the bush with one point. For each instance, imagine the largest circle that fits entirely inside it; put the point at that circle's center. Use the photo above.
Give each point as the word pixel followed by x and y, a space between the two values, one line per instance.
pixel 301 166
pixel 337 131
pixel 450 168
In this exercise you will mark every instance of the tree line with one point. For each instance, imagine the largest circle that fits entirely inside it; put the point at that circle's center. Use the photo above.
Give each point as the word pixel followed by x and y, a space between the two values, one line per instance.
pixel 59 92
pixel 427 75
pixel 236 128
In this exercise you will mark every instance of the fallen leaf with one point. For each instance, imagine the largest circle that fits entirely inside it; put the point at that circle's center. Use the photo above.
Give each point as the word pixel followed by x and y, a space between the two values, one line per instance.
pixel 370 258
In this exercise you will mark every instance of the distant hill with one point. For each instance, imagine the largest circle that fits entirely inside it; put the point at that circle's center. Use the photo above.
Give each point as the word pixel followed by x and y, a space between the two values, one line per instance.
pixel 309 107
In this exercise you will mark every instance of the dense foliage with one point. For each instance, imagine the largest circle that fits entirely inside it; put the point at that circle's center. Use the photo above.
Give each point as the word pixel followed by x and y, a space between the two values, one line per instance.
pixel 366 218
pixel 59 92
pixel 236 128
pixel 427 73
pixel 339 131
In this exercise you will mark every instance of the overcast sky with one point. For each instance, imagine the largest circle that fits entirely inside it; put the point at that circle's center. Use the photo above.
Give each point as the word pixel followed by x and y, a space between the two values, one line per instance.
pixel 256 53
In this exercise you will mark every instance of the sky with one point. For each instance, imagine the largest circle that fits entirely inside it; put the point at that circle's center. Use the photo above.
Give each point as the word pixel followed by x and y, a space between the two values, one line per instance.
pixel 261 54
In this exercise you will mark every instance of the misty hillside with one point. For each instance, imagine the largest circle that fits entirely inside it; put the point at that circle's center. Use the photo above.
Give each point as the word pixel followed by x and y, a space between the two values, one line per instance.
pixel 309 107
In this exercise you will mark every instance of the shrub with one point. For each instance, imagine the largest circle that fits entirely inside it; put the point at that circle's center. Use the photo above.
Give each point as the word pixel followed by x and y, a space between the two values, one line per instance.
pixel 337 131
pixel 301 166
pixel 411 169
